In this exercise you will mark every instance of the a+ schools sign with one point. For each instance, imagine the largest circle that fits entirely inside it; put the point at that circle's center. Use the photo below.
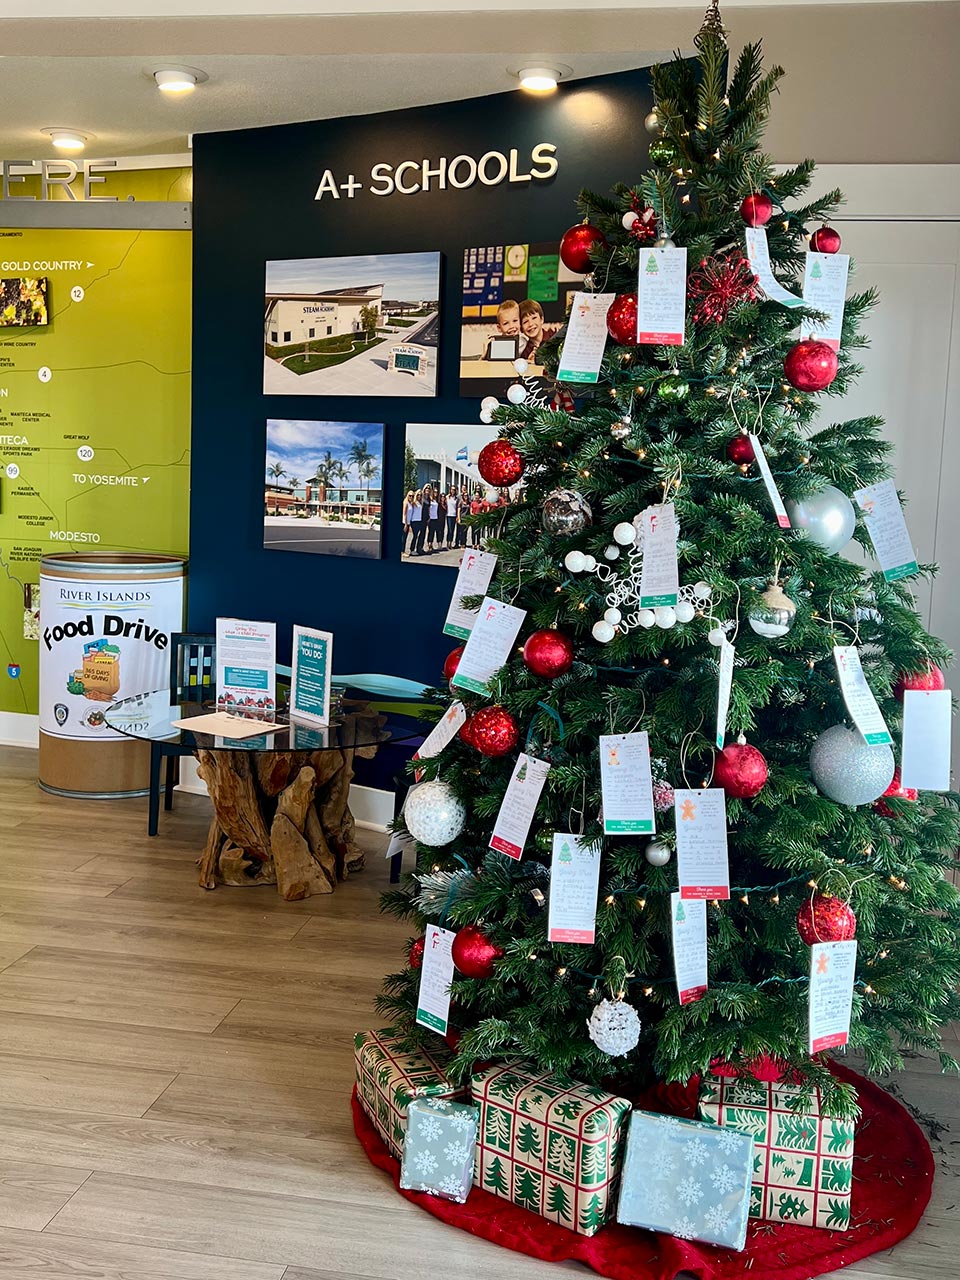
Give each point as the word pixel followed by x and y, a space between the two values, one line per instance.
pixel 410 177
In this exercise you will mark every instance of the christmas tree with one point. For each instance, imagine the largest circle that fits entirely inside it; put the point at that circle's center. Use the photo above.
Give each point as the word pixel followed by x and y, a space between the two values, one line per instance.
pixel 819 844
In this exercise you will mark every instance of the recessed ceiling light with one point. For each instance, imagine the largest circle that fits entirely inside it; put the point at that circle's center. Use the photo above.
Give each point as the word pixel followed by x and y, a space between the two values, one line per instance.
pixel 541 79
pixel 67 139
pixel 176 81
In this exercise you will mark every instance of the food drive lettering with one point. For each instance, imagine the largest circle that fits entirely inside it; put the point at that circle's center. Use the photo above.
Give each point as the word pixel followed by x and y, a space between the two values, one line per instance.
pixel 410 177
pixel 113 625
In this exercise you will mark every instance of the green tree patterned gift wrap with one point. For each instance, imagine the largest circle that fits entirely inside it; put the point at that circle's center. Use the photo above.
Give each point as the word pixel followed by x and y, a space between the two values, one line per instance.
pixel 550 1144
pixel 388 1078
pixel 803 1161
pixel 439 1148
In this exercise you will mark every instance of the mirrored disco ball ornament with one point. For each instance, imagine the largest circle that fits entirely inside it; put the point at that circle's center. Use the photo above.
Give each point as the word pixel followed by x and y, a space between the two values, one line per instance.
pixel 565 513
pixel 827 517
pixel 433 814
pixel 847 769
pixel 614 1027
pixel 773 613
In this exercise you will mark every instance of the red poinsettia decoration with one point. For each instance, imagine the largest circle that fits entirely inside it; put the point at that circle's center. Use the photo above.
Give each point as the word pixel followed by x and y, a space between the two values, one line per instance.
pixel 718 285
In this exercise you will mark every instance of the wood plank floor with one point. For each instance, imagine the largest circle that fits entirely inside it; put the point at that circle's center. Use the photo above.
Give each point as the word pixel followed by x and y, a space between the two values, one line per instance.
pixel 175 1069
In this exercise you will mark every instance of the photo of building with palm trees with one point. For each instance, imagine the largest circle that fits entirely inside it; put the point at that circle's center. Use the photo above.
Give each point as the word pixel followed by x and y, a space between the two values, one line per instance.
pixel 322 487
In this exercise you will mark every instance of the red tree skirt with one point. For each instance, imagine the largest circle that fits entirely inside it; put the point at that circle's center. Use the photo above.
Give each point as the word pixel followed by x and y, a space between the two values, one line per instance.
pixel 892 1180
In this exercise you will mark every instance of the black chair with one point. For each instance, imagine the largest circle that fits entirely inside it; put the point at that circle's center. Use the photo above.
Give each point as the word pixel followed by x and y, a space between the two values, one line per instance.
pixel 193 672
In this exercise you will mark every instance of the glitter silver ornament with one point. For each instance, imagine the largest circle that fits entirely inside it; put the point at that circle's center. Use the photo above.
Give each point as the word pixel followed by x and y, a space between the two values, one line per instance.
pixel 847 769
pixel 432 814
pixel 614 1027
pixel 565 513
pixel 621 430
pixel 773 614
pixel 827 517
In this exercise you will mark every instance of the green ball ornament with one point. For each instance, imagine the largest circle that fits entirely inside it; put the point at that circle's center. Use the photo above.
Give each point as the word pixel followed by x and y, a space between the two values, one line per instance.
pixel 661 152
pixel 672 389
pixel 543 841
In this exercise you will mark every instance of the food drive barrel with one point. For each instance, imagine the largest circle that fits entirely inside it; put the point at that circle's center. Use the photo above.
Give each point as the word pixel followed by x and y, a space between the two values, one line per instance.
pixel 105 625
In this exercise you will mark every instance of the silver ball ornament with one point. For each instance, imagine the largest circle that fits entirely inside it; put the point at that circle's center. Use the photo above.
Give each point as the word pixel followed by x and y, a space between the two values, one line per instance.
pixel 621 430
pixel 773 614
pixel 614 1027
pixel 657 854
pixel 432 813
pixel 847 769
pixel 565 513
pixel 827 517
pixel 651 122
pixel 663 242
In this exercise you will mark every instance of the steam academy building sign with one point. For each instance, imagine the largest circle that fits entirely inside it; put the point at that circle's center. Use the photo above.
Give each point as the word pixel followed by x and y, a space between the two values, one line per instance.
pixel 457 173
pixel 294 318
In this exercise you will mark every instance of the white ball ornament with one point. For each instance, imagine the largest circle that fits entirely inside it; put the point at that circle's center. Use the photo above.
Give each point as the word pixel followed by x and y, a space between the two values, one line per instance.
pixel 433 815
pixel 630 219
pixel 614 1027
pixel 647 619
pixel 485 417
pixel 603 631
pixel 657 854
pixel 716 636
pixel 613 615
pixel 665 617
pixel 521 365
pixel 685 611
pixel 589 562
pixel 612 553
pixel 849 770
pixel 516 393
pixel 703 589
pixel 625 534
pixel 488 404
pixel 575 561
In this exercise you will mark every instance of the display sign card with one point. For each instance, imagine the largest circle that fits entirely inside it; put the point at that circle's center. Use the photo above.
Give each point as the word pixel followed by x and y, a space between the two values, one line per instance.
pixel 627 784
pixel 399 841
pixel 858 696
pixel 758 253
pixel 703 866
pixel 883 516
pixel 662 297
pixel 436 974
pixel 246 665
pixel 586 338
pixel 689 925
pixel 825 289
pixel 473 578
pixel 659 574
pixel 443 732
pixel 833 967
pixel 925 759
pixel 310 679
pixel 488 645
pixel 574 883
pixel 518 806
pixel 773 493
pixel 727 655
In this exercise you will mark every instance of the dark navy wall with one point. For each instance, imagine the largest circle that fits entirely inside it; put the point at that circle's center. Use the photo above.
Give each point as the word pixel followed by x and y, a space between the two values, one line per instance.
pixel 253 200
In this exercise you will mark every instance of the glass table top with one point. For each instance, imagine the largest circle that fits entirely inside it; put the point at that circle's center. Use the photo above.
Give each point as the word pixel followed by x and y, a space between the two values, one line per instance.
pixel 360 723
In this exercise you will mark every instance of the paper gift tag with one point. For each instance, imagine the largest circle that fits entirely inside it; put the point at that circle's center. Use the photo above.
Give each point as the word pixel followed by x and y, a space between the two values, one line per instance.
pixel 586 338
pixel 833 967
pixel 758 253
pixel 773 493
pixel 436 974
pixel 883 516
pixel 519 805
pixel 662 297
pixel 444 731
pixel 488 646
pixel 659 574
pixel 689 925
pixel 473 578
pixel 727 655
pixel 925 759
pixel 825 289
pixel 399 840
pixel 858 696
pixel 627 784
pixel 574 881
pixel 703 866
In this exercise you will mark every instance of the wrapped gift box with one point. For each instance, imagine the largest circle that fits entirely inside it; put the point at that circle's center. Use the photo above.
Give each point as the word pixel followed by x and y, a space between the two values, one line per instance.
pixel 803 1162
pixel 687 1178
pixel 550 1144
pixel 439 1148
pixel 388 1078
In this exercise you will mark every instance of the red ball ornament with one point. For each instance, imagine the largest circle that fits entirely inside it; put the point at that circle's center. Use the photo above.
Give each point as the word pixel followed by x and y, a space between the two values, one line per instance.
pixel 741 770
pixel 930 678
pixel 452 661
pixel 825 240
pixel 622 320
pixel 415 954
pixel 810 365
pixel 453 1036
pixel 894 792
pixel 500 463
pixel 576 245
pixel 757 209
pixel 740 450
pixel 548 653
pixel 826 919
pixel 473 952
pixel 493 731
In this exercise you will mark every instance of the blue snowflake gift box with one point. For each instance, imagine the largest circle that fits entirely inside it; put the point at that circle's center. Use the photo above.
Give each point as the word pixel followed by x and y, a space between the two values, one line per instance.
pixel 439 1148
pixel 689 1179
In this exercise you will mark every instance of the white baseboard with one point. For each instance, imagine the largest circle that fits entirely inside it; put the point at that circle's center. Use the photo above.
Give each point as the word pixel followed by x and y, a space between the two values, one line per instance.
pixel 371 809
pixel 19 730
